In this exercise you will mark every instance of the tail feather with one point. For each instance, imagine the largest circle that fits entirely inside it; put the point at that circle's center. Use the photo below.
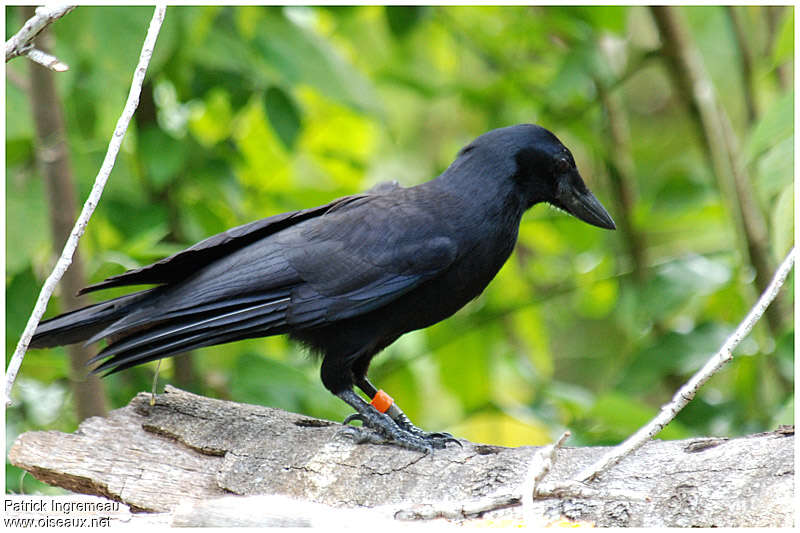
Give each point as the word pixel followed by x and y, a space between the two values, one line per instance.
pixel 148 346
pixel 147 317
pixel 262 313
pixel 194 331
pixel 82 324
pixel 118 363
pixel 165 321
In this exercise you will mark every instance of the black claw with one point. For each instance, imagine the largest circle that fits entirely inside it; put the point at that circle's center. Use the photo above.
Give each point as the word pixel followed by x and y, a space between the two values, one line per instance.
pixel 354 416
pixel 383 429
pixel 398 430
pixel 446 437
pixel 363 436
pixel 437 439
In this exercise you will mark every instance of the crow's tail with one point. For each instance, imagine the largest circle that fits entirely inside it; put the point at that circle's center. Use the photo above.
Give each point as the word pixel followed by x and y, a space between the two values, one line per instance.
pixel 82 324
pixel 137 340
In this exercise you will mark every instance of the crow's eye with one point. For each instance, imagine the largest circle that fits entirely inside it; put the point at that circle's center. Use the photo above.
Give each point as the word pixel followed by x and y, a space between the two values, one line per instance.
pixel 562 165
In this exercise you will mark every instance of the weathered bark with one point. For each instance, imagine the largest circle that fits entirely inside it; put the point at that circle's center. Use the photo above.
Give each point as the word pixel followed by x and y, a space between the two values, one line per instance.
pixel 185 451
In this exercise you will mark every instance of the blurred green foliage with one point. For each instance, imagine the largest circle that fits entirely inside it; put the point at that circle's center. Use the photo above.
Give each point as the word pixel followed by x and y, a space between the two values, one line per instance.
pixel 264 110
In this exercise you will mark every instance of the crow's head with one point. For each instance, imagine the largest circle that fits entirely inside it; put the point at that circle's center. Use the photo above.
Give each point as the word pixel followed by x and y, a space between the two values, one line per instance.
pixel 544 170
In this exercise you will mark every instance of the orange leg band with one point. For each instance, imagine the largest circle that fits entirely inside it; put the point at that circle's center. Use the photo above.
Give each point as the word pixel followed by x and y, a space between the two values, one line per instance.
pixel 382 401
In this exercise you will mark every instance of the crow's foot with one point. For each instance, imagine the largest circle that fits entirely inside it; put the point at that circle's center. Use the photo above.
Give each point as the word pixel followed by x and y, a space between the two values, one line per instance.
pixel 403 422
pixel 399 431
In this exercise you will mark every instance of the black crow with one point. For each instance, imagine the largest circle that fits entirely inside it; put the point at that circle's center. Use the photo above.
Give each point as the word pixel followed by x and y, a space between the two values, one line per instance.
pixel 345 279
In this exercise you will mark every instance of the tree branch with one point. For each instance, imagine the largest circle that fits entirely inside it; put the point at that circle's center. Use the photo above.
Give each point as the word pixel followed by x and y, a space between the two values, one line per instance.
pixel 52 154
pixel 746 61
pixel 22 42
pixel 94 197
pixel 688 391
pixel 622 174
pixel 736 187
pixel 187 455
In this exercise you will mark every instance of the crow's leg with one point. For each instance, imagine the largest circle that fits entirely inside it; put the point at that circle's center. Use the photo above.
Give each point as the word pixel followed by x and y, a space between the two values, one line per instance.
pixel 400 418
pixel 338 377
pixel 384 425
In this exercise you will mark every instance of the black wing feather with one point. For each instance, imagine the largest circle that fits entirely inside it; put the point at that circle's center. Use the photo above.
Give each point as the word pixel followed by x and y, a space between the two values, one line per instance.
pixel 175 267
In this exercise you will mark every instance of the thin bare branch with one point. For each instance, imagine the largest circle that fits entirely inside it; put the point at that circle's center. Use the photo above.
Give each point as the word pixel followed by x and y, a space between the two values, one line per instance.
pixel 91 203
pixel 22 42
pixel 540 466
pixel 686 393
pixel 46 60
pixel 622 175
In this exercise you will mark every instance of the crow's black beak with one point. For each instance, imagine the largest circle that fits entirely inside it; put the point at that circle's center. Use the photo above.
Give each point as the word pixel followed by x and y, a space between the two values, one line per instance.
pixel 581 203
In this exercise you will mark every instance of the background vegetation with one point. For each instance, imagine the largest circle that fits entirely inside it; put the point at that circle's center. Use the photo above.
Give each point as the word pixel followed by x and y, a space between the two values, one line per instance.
pixel 252 111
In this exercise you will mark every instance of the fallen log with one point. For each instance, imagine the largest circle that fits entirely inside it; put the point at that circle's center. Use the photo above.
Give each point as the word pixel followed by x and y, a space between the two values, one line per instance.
pixel 186 455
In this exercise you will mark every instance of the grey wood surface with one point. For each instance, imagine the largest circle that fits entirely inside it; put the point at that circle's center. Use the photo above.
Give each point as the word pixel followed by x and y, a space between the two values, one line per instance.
pixel 182 454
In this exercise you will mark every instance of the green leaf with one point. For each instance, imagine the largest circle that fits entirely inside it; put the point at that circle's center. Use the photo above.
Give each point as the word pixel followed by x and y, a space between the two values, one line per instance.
pixel 598 299
pixel 776 125
pixel 143 243
pixel 617 415
pixel 610 18
pixel 22 289
pixel 265 381
pixel 532 330
pixel 111 36
pixel 464 364
pixel 212 122
pixel 786 414
pixel 783 223
pixel 784 43
pixel 775 170
pixel 403 19
pixel 573 84
pixel 163 156
pixel 672 354
pixel 19 118
pixel 27 222
pixel 677 282
pixel 19 151
pixel 284 116
pixel 225 51
pixel 302 57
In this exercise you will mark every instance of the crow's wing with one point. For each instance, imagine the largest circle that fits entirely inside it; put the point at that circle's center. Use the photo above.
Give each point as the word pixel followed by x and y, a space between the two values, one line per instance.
pixel 355 256
pixel 178 266
pixel 364 255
